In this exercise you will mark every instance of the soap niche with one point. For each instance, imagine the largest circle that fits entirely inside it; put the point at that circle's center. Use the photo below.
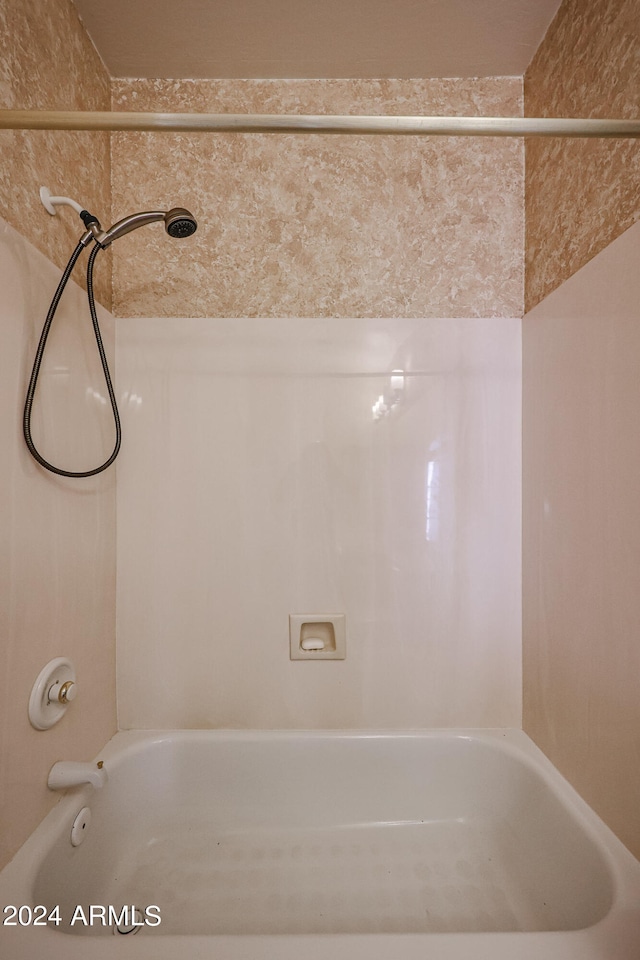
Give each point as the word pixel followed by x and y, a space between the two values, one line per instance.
pixel 322 631
pixel 317 636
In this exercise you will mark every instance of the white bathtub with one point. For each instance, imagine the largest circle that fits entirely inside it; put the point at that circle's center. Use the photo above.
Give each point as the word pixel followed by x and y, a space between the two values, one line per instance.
pixel 461 845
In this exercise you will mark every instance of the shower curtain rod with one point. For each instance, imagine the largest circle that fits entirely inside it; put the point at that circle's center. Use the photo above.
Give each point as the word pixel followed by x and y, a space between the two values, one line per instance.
pixel 282 123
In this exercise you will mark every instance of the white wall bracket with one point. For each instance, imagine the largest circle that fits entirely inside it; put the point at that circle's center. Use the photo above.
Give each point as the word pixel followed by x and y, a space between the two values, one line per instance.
pixel 50 203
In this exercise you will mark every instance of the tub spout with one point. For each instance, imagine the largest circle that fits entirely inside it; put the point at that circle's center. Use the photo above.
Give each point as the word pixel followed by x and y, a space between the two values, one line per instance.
pixel 69 773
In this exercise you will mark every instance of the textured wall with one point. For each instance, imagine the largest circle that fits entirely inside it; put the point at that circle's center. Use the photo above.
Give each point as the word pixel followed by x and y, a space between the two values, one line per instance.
pixel 581 194
pixel 581 550
pixel 322 226
pixel 48 63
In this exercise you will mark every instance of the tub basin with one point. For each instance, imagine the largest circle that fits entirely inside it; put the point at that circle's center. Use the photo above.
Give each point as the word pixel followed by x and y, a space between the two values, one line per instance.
pixel 443 845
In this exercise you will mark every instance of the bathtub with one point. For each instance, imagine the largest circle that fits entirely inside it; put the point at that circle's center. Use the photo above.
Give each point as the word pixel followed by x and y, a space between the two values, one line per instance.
pixel 218 845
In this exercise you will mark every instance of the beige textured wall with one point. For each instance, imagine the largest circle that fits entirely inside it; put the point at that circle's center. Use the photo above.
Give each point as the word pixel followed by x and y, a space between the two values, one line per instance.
pixel 581 194
pixel 48 63
pixel 324 226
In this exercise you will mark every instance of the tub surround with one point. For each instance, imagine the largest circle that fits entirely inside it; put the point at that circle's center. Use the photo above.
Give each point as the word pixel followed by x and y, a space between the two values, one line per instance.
pixel 399 231
pixel 581 556
pixel 57 556
pixel 57 562
pixel 255 482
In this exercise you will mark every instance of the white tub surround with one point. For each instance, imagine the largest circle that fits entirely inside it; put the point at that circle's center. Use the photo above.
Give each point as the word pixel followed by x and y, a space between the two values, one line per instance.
pixel 57 536
pixel 261 477
pixel 581 482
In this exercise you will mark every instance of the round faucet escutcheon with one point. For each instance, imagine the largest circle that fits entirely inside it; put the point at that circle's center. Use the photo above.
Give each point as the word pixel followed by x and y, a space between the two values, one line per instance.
pixel 55 688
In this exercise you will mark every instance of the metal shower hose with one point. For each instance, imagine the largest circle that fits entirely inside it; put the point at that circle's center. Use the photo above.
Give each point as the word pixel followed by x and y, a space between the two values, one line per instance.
pixel 26 421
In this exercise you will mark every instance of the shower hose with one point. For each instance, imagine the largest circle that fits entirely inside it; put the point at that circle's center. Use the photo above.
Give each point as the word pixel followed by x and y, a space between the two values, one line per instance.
pixel 33 382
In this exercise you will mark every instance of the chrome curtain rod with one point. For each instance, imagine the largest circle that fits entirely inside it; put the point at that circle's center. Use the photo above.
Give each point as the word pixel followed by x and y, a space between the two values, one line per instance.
pixel 281 123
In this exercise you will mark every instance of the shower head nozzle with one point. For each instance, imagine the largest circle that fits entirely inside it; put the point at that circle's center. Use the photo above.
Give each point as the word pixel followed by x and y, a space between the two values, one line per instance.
pixel 178 222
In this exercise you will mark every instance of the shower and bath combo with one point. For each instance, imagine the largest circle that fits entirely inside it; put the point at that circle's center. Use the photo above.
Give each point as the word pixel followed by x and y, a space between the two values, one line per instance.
pixel 178 223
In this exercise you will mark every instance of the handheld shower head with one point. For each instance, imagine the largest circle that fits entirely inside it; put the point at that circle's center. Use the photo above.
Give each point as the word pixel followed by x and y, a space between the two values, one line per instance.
pixel 178 222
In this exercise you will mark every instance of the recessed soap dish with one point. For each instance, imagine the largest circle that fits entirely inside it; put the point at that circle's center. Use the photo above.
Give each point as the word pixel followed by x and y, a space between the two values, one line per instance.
pixel 317 636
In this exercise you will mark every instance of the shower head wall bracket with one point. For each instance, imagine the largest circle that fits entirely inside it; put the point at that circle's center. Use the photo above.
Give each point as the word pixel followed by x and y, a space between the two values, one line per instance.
pixel 50 203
